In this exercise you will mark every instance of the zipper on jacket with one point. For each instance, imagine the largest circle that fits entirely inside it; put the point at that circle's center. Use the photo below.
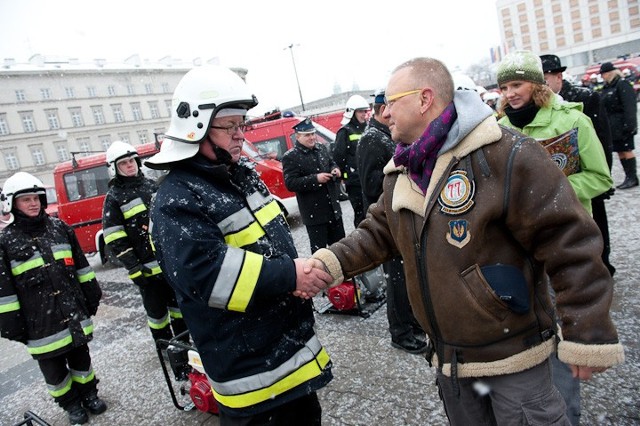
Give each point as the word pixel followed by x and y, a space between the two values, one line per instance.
pixel 420 249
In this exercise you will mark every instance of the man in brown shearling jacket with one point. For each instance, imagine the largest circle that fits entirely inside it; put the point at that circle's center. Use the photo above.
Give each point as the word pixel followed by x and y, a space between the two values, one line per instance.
pixel 485 222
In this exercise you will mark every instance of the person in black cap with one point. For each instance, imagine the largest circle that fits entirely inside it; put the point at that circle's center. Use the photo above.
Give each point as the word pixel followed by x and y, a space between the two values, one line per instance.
pixel 310 172
pixel 594 109
pixel 374 152
pixel 619 101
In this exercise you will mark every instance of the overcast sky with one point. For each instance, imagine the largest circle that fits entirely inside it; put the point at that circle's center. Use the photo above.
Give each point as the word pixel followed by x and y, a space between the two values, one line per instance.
pixel 336 42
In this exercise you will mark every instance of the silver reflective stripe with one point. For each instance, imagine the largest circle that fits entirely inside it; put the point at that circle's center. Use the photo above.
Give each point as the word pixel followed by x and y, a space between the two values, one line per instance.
pixel 227 277
pixel 263 380
pixel 236 222
pixel 60 247
pixel 110 230
pixel 257 200
pixel 56 337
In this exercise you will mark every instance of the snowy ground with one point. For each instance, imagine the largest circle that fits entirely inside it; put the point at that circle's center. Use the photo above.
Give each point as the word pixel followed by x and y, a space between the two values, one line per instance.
pixel 374 384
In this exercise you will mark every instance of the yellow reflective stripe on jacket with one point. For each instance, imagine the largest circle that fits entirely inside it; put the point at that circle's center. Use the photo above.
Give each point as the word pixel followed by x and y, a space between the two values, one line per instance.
pixel 355 137
pixel 113 233
pixel 154 267
pixel 236 280
pixel 9 304
pixel 35 261
pixel 268 213
pixel 61 388
pixel 85 274
pixel 304 365
pixel 133 208
pixel 59 340
pixel 241 229
pixel 61 251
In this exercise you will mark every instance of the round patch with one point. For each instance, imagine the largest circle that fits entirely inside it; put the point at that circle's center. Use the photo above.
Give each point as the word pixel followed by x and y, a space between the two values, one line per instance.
pixel 457 195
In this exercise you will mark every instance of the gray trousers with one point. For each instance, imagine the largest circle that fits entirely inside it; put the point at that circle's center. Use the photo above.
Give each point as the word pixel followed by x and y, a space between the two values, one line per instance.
pixel 525 398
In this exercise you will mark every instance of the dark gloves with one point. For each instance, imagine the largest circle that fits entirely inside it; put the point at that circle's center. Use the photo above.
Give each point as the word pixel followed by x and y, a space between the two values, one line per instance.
pixel 138 275
pixel 93 309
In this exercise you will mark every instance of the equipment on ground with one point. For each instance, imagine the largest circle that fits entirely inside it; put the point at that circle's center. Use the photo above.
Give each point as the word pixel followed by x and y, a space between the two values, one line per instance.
pixel 363 295
pixel 186 366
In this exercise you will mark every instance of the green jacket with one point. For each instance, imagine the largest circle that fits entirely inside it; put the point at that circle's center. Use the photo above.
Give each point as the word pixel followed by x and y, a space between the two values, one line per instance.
pixel 594 177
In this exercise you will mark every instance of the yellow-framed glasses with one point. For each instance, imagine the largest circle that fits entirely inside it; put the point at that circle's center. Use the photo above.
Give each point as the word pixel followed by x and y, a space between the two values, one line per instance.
pixel 392 98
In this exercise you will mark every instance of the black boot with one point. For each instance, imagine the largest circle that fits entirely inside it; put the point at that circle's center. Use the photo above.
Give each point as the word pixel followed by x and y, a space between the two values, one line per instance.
pixel 77 414
pixel 631 177
pixel 94 404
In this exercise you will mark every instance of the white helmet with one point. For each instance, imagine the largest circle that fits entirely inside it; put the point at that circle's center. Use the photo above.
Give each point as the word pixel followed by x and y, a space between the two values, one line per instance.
pixel 198 97
pixel 354 103
pixel 117 151
pixel 21 183
pixel 463 82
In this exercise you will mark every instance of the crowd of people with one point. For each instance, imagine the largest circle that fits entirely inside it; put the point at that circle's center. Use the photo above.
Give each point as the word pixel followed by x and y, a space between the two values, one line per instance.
pixel 488 245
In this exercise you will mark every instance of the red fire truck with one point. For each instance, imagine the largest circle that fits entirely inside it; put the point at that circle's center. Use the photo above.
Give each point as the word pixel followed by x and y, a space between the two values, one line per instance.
pixel 82 183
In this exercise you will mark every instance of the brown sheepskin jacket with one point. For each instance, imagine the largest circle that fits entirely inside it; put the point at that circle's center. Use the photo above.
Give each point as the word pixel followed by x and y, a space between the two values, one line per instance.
pixel 499 224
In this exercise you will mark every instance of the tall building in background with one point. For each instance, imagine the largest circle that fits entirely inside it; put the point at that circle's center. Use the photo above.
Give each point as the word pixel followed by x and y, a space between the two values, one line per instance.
pixel 53 107
pixel 580 32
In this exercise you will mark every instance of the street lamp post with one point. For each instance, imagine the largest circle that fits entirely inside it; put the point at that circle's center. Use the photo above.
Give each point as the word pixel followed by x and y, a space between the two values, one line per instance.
pixel 290 47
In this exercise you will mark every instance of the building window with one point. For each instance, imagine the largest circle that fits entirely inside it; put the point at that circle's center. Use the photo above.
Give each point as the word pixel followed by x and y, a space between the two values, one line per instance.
pixel 143 136
pixel 118 116
pixel 153 107
pixel 4 126
pixel 52 119
pixel 91 91
pixel 84 144
pixel 76 117
pixel 167 104
pixel 38 156
pixel 70 92
pixel 105 141
pixel 62 152
pixel 130 89
pixel 11 160
pixel 165 88
pixel 111 90
pixel 45 93
pixel 28 124
pixel 148 88
pixel 124 137
pixel 137 113
pixel 98 114
pixel 20 95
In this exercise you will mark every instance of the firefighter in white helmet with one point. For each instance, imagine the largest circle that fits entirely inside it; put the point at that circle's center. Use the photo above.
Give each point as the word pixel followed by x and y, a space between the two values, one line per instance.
pixel 354 122
pixel 125 223
pixel 48 294
pixel 226 248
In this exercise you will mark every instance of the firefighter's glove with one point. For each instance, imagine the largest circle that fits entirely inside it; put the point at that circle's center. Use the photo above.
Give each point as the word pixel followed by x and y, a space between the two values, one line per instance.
pixel 137 275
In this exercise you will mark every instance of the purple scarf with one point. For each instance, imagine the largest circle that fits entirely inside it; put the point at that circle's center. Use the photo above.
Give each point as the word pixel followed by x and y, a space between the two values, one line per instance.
pixel 420 157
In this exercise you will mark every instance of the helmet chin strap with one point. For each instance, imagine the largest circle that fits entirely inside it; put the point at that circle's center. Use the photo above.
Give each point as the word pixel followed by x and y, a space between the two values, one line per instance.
pixel 222 155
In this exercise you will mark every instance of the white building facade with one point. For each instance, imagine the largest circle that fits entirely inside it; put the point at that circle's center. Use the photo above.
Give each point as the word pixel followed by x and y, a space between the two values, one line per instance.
pixel 53 108
pixel 580 32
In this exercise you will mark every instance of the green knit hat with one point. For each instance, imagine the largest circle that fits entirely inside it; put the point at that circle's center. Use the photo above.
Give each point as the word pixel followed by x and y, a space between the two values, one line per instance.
pixel 520 65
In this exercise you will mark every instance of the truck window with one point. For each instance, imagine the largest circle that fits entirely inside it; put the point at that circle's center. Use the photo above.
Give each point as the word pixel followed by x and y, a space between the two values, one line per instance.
pixel 271 148
pixel 87 183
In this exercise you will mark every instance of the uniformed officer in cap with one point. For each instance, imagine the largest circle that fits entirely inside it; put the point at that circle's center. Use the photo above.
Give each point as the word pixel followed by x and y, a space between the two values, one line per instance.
pixel 310 172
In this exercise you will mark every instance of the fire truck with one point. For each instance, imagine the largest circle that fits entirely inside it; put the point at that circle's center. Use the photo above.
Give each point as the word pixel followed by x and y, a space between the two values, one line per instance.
pixel 81 185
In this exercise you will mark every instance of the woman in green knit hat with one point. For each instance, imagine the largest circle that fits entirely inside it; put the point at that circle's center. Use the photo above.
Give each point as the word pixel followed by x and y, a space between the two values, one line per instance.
pixel 531 107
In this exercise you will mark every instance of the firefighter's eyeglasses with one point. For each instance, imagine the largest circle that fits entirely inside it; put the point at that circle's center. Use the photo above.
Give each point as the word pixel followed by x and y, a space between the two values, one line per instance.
pixel 389 100
pixel 231 130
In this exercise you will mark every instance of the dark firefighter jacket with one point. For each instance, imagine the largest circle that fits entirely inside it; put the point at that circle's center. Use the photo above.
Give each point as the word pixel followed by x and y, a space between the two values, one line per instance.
pixel 619 101
pixel 125 221
pixel 374 151
pixel 344 151
pixel 498 224
pixel 318 202
pixel 226 249
pixel 48 291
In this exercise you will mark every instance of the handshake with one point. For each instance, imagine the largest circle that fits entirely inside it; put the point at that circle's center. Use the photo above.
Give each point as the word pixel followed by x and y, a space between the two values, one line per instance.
pixel 311 278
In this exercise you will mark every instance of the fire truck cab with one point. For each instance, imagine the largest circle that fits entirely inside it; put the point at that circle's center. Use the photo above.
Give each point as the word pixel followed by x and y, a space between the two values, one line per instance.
pixel 81 185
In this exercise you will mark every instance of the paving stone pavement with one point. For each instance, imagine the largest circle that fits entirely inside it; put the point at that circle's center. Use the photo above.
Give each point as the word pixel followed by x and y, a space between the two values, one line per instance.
pixel 374 384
